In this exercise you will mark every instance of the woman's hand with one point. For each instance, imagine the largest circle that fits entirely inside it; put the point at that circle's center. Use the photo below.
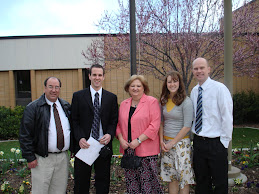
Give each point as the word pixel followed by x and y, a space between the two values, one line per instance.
pixel 163 146
pixel 134 144
pixel 124 144
pixel 169 145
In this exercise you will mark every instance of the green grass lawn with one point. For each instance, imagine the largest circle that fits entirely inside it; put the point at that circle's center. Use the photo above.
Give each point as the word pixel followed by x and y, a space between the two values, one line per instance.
pixel 242 138
pixel 6 147
pixel 116 146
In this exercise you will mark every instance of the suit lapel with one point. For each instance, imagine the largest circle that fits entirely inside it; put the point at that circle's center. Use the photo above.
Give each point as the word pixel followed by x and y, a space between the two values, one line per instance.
pixel 104 98
pixel 88 97
pixel 140 104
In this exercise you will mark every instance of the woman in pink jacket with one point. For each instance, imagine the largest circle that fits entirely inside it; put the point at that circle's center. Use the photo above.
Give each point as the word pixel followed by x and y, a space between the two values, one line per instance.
pixel 137 129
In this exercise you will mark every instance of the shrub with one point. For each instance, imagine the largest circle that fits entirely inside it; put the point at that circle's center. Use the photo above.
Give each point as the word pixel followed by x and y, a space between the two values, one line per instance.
pixel 10 121
pixel 246 107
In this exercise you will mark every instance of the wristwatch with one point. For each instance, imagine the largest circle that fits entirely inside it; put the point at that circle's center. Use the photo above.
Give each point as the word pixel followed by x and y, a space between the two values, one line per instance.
pixel 139 141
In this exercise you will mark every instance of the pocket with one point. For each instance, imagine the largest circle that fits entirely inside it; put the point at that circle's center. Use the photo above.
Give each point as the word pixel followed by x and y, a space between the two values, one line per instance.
pixel 220 147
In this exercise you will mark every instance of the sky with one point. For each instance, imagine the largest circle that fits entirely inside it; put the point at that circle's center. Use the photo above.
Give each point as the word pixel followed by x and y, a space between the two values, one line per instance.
pixel 48 17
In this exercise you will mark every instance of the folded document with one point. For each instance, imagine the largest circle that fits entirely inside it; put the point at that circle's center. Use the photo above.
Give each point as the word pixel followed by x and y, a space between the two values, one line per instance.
pixel 90 154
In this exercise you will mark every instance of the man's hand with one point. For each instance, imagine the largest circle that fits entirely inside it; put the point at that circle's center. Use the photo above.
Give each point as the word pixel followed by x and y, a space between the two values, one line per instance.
pixel 83 143
pixel 105 139
pixel 32 164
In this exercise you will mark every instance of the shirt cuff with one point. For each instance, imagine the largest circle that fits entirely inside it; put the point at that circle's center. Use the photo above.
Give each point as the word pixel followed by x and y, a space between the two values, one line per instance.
pixel 225 141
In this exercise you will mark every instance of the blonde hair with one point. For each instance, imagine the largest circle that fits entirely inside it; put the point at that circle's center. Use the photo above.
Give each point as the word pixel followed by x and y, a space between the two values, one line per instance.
pixel 141 78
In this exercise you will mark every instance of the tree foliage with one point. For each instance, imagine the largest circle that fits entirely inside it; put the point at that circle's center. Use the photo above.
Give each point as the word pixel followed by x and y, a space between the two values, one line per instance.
pixel 172 33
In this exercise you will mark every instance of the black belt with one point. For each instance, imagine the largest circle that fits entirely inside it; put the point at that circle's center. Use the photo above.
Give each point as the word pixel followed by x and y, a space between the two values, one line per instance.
pixel 205 138
pixel 56 152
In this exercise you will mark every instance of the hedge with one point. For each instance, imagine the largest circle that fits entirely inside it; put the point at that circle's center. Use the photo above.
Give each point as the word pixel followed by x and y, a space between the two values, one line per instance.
pixel 10 122
pixel 246 107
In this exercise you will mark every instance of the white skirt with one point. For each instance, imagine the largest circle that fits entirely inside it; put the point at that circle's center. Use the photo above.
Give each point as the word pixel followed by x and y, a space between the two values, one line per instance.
pixel 176 165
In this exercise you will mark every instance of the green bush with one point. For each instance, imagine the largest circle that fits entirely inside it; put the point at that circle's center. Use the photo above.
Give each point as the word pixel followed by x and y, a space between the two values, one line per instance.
pixel 246 105
pixel 10 121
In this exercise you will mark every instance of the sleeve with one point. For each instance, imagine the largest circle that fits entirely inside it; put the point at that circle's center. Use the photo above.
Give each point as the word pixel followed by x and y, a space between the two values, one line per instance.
pixel 187 112
pixel 114 117
pixel 162 115
pixel 155 120
pixel 225 104
pixel 75 119
pixel 194 109
pixel 118 128
pixel 26 134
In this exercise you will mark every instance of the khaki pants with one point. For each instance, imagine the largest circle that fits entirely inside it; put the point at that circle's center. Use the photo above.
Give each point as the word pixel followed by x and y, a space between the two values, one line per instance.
pixel 51 174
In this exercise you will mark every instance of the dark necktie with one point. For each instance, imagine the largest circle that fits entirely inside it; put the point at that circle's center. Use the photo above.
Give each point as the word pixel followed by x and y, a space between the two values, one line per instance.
pixel 96 121
pixel 198 123
pixel 60 135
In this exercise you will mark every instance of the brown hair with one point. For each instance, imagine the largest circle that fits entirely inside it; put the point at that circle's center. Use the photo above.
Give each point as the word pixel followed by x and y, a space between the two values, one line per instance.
pixel 179 96
pixel 96 66
pixel 141 79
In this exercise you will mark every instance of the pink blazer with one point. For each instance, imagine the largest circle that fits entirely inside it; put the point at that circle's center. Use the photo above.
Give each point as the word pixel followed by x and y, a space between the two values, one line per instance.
pixel 145 120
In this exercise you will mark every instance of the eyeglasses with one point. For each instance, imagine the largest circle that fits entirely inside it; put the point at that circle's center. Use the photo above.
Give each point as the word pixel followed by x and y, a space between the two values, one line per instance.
pixel 51 87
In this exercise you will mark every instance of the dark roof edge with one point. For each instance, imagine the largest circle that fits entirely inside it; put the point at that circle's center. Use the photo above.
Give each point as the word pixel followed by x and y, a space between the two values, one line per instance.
pixel 52 36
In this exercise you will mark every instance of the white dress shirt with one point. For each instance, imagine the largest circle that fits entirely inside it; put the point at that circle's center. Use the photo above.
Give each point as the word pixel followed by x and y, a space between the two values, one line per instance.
pixel 52 136
pixel 100 102
pixel 217 115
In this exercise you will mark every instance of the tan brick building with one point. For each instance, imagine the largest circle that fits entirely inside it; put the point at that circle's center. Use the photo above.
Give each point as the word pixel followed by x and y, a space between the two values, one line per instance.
pixel 26 61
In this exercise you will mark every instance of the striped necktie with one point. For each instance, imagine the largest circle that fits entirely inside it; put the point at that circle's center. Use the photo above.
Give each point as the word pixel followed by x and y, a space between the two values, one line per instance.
pixel 96 121
pixel 198 122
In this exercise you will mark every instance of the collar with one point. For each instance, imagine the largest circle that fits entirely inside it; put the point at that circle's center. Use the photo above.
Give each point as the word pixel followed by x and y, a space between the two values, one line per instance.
pixel 142 99
pixel 51 103
pixel 93 91
pixel 205 84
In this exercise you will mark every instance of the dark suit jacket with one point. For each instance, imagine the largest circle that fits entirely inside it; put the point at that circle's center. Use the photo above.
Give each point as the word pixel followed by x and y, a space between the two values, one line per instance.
pixel 82 113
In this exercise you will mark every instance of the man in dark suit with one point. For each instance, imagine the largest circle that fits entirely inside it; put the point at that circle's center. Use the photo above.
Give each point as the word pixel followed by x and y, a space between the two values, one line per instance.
pixel 84 126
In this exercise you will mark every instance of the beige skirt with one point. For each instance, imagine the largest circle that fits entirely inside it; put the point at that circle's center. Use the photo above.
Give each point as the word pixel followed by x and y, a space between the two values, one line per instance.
pixel 176 165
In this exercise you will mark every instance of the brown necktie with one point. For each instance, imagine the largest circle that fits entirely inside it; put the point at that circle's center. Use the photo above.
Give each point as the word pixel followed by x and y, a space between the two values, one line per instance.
pixel 60 135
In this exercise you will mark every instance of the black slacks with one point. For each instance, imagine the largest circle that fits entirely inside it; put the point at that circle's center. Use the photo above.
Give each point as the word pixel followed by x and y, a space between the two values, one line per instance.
pixel 83 176
pixel 210 166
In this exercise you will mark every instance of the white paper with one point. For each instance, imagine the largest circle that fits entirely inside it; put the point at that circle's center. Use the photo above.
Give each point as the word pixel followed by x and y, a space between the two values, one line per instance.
pixel 90 154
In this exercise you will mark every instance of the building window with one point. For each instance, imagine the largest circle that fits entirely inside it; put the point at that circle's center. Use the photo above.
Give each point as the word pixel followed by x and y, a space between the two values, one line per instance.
pixel 23 87
pixel 86 81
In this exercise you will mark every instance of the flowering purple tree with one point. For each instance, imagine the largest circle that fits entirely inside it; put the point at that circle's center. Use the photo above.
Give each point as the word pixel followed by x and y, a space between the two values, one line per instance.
pixel 172 33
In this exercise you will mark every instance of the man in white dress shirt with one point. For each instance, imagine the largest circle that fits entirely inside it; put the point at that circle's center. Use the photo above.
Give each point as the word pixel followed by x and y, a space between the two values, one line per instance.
pixel 212 128
pixel 45 139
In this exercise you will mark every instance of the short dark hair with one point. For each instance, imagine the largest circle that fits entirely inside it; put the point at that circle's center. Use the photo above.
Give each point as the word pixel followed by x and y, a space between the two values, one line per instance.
pixel 96 66
pixel 46 80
